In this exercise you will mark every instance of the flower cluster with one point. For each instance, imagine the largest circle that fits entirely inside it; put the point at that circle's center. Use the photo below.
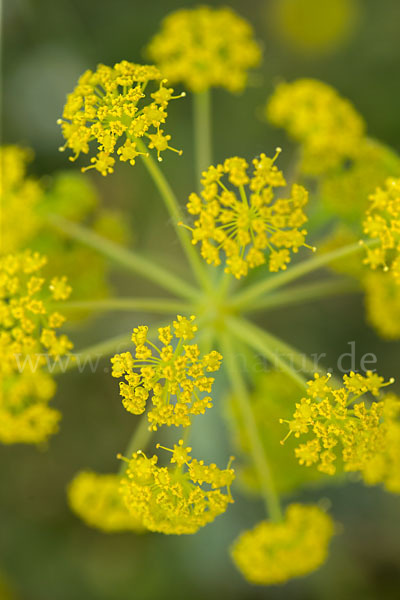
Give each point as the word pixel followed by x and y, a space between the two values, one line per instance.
pixel 336 420
pixel 205 47
pixel 311 27
pixel 95 498
pixel 19 198
pixel 383 465
pixel 246 224
pixel 326 125
pixel 382 301
pixel 176 500
pixel 345 191
pixel 273 553
pixel 28 202
pixel 107 106
pixel 176 377
pixel 382 222
pixel 28 327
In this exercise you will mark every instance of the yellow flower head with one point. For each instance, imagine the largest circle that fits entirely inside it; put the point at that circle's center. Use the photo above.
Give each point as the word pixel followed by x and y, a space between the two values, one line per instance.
pixel 382 301
pixel 19 197
pixel 25 417
pixel 110 106
pixel 325 124
pixel 345 191
pixel 382 222
pixel 176 500
pixel 205 47
pixel 273 553
pixel 28 335
pixel 384 464
pixel 176 378
pixel 313 27
pixel 337 424
pixel 96 500
pixel 245 221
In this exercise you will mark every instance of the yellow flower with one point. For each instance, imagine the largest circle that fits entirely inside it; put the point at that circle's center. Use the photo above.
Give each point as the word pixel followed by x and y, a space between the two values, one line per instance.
pixel 382 222
pixel 176 500
pixel 339 424
pixel 95 498
pixel 24 200
pixel 25 418
pixel 382 301
pixel 205 47
pixel 345 191
pixel 109 106
pixel 383 465
pixel 325 124
pixel 313 27
pixel 243 225
pixel 273 553
pixel 27 337
pixel 175 378
pixel 20 196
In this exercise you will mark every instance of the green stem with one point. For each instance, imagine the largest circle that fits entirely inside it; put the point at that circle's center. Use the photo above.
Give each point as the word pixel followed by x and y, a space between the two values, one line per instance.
pixel 127 258
pixel 151 305
pixel 304 293
pixel 257 449
pixel 299 359
pixel 138 441
pixel 176 214
pixel 247 296
pixel 224 285
pixel 202 131
pixel 255 338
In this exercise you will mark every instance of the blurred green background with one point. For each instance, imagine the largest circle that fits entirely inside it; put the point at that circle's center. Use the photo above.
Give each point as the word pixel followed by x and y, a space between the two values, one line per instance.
pixel 46 553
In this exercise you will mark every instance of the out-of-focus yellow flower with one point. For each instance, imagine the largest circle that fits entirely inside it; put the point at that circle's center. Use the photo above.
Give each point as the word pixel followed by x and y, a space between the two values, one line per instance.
pixel 314 27
pixel 28 202
pixel 382 301
pixel 28 324
pixel 19 198
pixel 273 553
pixel 176 378
pixel 95 498
pixel 205 47
pixel 325 124
pixel 382 222
pixel 245 225
pixel 384 464
pixel 345 191
pixel 176 500
pixel 108 106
